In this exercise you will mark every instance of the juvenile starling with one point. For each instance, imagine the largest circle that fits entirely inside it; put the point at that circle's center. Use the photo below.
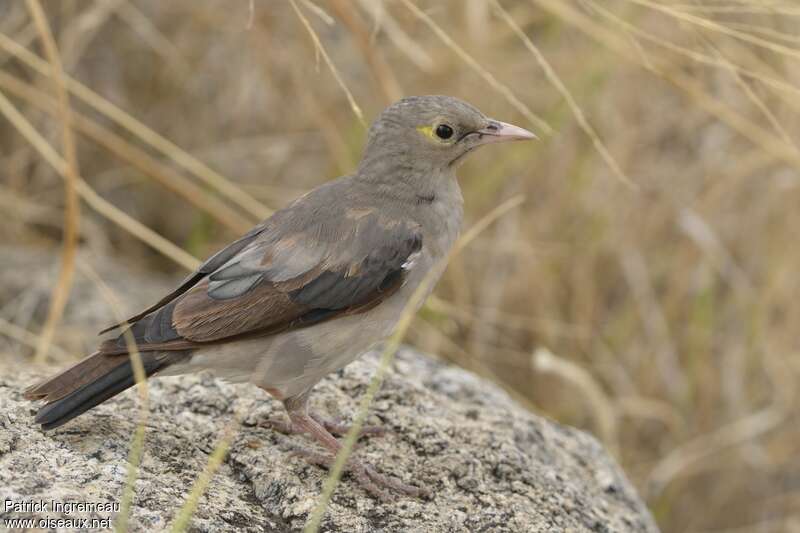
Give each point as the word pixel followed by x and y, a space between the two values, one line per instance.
pixel 312 287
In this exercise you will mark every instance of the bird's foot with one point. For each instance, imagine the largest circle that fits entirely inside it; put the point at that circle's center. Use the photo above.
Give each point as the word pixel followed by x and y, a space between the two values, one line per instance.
pixel 377 485
pixel 340 429
pixel 334 426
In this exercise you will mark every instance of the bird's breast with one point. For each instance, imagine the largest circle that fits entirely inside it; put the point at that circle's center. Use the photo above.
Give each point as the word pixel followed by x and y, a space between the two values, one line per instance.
pixel 442 225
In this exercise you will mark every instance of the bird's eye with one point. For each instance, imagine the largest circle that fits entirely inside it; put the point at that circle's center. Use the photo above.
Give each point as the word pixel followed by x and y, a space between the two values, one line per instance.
pixel 443 131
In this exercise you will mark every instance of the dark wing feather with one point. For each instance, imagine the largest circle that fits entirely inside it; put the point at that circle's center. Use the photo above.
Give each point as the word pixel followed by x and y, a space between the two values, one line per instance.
pixel 283 279
pixel 294 282
pixel 209 266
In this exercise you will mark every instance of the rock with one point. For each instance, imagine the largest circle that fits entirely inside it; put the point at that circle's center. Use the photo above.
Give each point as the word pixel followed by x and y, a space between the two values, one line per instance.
pixel 490 464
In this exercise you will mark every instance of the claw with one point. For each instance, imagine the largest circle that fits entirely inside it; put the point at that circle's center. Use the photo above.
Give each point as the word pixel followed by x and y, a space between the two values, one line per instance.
pixel 336 427
pixel 341 429
pixel 281 426
pixel 372 481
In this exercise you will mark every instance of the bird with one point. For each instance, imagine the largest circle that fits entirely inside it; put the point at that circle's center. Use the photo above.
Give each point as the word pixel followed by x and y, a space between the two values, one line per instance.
pixel 311 288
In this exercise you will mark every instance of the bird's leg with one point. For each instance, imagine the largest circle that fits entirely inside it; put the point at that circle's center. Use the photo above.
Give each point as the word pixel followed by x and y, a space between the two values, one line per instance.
pixel 371 480
pixel 335 427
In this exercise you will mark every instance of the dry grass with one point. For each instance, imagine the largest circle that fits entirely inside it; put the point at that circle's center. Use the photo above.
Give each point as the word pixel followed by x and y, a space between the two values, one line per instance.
pixel 663 315
pixel 60 294
pixel 137 441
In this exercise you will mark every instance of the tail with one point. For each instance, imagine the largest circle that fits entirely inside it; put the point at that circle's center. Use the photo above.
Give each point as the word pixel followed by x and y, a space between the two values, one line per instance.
pixel 90 382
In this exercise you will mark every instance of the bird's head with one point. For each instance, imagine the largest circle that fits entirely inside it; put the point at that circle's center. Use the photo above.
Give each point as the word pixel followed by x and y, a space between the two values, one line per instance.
pixel 432 133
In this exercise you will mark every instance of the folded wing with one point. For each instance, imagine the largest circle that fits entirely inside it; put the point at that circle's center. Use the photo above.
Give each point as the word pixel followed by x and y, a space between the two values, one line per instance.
pixel 280 280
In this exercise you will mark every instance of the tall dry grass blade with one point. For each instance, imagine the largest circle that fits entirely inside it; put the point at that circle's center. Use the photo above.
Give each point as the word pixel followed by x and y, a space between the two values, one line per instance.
pixel 569 14
pixel 213 179
pixel 757 101
pixel 488 293
pixel 543 360
pixel 60 293
pixel 739 123
pixel 651 409
pixel 381 71
pixel 758 135
pixel 319 12
pixel 504 319
pixel 81 28
pixel 134 156
pixel 137 441
pixel 95 201
pixel 656 325
pixel 707 239
pixel 153 36
pixel 733 434
pixel 383 21
pixel 555 80
pixel 328 61
pixel 487 76
pixel 28 338
pixel 769 32
pixel 390 348
pixel 748 8
pixel 25 212
pixel 775 83
pixel 721 28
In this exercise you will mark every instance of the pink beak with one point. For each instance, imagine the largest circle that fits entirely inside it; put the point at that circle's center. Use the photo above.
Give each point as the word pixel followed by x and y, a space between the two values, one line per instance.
pixel 497 132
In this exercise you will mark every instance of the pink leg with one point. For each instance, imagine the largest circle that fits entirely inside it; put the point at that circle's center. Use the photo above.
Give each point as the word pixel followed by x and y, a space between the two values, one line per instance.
pixel 336 428
pixel 371 480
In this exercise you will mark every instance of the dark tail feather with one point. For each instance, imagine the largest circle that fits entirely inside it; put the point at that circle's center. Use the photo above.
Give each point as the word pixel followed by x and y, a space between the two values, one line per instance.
pixel 69 397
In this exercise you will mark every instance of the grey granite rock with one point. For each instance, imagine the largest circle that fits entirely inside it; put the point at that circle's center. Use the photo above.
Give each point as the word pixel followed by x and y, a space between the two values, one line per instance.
pixel 490 464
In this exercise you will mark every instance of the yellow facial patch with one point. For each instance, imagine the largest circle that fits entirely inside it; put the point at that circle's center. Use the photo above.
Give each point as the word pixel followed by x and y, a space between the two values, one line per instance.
pixel 427 131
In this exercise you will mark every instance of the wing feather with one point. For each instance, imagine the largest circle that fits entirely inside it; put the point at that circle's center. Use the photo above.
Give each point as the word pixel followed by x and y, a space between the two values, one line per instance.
pixel 209 266
pixel 248 296
pixel 283 275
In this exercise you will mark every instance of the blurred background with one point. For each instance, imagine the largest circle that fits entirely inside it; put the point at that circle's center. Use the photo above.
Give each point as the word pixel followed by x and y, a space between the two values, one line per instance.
pixel 645 291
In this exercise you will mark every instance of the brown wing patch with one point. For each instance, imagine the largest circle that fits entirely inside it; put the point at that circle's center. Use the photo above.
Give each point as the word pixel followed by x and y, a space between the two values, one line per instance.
pixel 309 263
pixel 210 265
pixel 200 318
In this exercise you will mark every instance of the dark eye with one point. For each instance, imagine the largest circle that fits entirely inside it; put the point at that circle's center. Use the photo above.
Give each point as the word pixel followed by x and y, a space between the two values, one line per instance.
pixel 443 131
